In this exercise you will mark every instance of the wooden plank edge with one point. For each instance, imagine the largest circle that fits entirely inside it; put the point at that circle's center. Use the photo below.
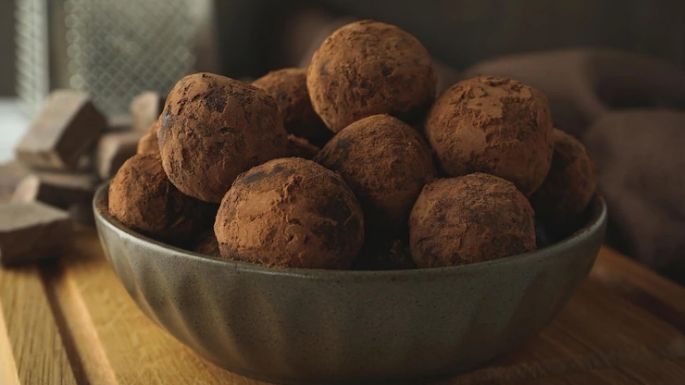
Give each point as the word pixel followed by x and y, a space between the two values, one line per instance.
pixel 35 340
pixel 8 368
pixel 624 361
pixel 614 266
pixel 78 327
pixel 641 286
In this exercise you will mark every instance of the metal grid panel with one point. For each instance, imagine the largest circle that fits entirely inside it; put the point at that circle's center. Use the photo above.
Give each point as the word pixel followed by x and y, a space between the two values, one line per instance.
pixel 31 24
pixel 116 49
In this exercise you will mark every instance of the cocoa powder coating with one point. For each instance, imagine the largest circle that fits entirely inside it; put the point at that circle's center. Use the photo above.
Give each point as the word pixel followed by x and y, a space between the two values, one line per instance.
pixel 570 183
pixel 385 162
pixel 366 68
pixel 288 86
pixel 494 125
pixel 142 198
pixel 212 129
pixel 290 212
pixel 472 218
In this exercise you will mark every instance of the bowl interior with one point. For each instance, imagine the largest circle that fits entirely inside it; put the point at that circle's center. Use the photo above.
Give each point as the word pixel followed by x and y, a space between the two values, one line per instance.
pixel 592 220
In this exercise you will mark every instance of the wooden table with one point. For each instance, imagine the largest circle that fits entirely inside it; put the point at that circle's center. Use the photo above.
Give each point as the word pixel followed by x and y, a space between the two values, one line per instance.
pixel 71 322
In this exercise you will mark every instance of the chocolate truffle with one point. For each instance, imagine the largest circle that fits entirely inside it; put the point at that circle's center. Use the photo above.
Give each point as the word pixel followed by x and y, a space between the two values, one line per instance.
pixel 290 212
pixel 570 183
pixel 148 143
pixel 384 254
pixel 494 125
pixel 468 219
pixel 212 129
pixel 301 147
pixel 366 68
pixel 288 87
pixel 142 198
pixel 385 162
pixel 207 245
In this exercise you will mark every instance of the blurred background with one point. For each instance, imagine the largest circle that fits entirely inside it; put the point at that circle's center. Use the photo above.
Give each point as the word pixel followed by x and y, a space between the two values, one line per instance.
pixel 614 72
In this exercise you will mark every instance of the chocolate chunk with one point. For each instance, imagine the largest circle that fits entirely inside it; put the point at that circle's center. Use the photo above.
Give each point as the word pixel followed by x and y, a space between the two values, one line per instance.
pixel 113 150
pixel 32 231
pixel 66 129
pixel 56 189
pixel 145 109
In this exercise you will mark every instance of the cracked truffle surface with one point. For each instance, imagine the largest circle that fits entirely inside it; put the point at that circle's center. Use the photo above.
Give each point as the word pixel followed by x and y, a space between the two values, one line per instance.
pixel 290 212
pixel 472 218
pixel 570 183
pixel 288 86
pixel 142 198
pixel 385 162
pixel 366 68
pixel 212 129
pixel 494 125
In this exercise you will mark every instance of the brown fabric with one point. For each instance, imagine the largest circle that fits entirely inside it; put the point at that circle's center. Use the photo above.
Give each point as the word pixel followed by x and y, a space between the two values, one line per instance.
pixel 640 162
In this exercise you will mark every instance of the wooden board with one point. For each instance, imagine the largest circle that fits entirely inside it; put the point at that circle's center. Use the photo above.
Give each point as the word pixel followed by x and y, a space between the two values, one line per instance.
pixel 30 333
pixel 71 322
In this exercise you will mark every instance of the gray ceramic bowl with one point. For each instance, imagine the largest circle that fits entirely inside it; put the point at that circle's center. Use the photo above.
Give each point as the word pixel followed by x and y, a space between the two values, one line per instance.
pixel 325 326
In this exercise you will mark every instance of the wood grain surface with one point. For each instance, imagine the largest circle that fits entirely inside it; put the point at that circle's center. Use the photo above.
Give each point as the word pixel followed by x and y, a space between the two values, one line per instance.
pixel 32 334
pixel 71 322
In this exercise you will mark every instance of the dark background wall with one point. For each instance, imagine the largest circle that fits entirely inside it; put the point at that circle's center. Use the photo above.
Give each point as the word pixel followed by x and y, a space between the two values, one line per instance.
pixel 6 47
pixel 462 32
pixel 253 33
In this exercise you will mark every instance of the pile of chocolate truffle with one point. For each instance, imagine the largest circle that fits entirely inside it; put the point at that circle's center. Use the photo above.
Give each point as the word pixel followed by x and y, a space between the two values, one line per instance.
pixel 353 163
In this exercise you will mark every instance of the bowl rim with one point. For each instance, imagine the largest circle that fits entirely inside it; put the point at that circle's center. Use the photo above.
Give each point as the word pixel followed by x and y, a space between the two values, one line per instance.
pixel 595 223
